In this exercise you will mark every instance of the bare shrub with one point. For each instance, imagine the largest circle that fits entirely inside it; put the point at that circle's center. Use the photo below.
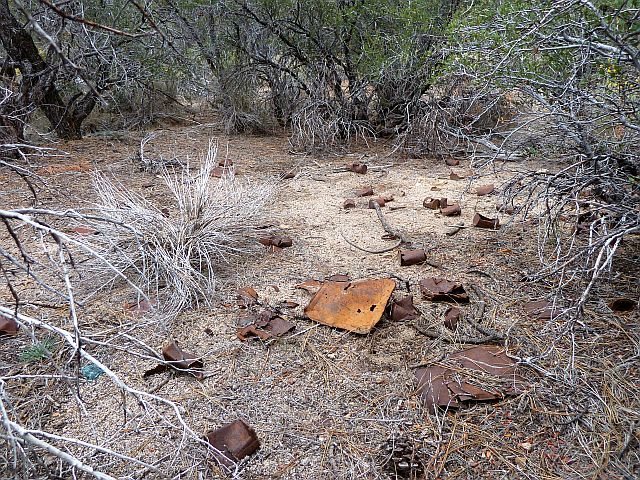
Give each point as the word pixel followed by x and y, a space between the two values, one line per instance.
pixel 178 254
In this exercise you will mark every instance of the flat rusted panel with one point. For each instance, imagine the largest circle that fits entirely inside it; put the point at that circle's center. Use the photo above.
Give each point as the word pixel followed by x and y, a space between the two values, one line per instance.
pixel 234 441
pixel 354 306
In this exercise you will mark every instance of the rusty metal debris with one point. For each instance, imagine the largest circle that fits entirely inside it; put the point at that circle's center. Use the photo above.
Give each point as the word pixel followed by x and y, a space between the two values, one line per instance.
pixel 431 203
pixel 364 192
pixel 622 305
pixel 379 200
pixel 452 162
pixel 412 257
pixel 357 167
pixel 349 203
pixel 310 285
pixel 247 297
pixel 276 241
pixel 338 277
pixel 220 171
pixel 480 221
pixel 404 309
pixel 289 175
pixel 508 209
pixel 451 317
pixel 481 373
pixel 451 211
pixel 455 176
pixel 178 359
pixel 355 306
pixel 540 309
pixel 141 307
pixel 85 231
pixel 485 189
pixel 441 290
pixel 233 442
pixel 265 325
pixel 8 326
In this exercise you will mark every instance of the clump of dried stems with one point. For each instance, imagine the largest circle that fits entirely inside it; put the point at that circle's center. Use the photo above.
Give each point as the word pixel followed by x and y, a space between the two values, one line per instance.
pixel 178 253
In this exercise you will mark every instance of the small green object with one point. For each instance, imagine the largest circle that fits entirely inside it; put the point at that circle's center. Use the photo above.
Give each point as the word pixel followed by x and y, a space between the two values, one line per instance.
pixel 91 372
pixel 38 351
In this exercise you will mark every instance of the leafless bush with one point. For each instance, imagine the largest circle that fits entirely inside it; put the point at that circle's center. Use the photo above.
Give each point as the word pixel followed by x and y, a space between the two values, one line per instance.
pixel 178 254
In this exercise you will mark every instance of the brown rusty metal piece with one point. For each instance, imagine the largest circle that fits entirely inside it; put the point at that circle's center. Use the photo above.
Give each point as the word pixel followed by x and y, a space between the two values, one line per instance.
pixel 139 308
pixel 451 317
pixel 622 305
pixel 364 192
pixel 219 172
pixel 485 189
pixel 355 306
pixel 357 167
pixel 480 221
pixel 225 162
pixel 540 309
pixel 451 211
pixel 431 203
pixel 404 309
pixel 85 231
pixel 458 379
pixel 276 241
pixel 508 209
pixel 349 203
pixel 247 297
pixel 8 326
pixel 441 290
pixel 181 360
pixel 412 257
pixel 310 285
pixel 388 198
pixel 378 200
pixel 452 162
pixel 338 277
pixel 233 442
pixel 265 325
pixel 289 175
pixel 455 176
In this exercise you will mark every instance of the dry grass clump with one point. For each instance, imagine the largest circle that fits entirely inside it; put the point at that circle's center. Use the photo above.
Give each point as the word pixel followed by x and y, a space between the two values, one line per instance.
pixel 178 253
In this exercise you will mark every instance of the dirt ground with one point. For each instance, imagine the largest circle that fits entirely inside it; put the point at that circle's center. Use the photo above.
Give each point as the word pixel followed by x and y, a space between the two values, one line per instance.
pixel 326 403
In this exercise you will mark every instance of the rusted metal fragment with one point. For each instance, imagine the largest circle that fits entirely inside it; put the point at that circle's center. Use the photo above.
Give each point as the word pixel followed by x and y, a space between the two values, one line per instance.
pixel 8 326
pixel 481 373
pixel 404 309
pixel 364 192
pixel 276 241
pixel 349 203
pixel 379 200
pixel 451 211
pixel 622 305
pixel 485 189
pixel 455 176
pixel 139 308
pixel 252 331
pixel 225 162
pixel 357 167
pixel 265 325
pixel 451 317
pixel 338 277
pixel 388 198
pixel 278 326
pixel 85 231
pixel 431 203
pixel 480 221
pixel 310 285
pixel 441 290
pixel 354 306
pixel 508 209
pixel 180 360
pixel 412 257
pixel 444 203
pixel 289 175
pixel 247 297
pixel 540 309
pixel 233 442
pixel 290 304
pixel 219 171
pixel 452 162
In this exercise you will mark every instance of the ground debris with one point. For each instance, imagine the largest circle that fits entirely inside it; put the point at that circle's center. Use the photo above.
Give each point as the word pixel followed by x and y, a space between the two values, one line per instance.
pixel 233 442
pixel 480 221
pixel 180 360
pixel 404 309
pixel 412 257
pixel 8 326
pixel 355 306
pixel 439 289
pixel 481 373
pixel 247 297
pixel 265 325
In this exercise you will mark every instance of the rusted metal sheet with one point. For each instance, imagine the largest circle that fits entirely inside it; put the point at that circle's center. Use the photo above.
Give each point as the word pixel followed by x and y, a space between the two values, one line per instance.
pixel 451 317
pixel 404 309
pixel 8 326
pixel 431 203
pixel 439 289
pixel 379 200
pixel 412 257
pixel 233 442
pixel 349 203
pixel 477 374
pixel 364 192
pixel 357 167
pixel 485 189
pixel 480 221
pixel 355 306
pixel 451 210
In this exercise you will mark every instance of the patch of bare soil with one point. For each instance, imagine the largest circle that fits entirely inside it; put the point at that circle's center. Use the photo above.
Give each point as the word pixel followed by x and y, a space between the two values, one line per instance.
pixel 326 403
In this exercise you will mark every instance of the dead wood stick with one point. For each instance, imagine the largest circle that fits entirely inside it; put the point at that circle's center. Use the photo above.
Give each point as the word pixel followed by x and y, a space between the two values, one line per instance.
pixel 382 250
pixel 388 228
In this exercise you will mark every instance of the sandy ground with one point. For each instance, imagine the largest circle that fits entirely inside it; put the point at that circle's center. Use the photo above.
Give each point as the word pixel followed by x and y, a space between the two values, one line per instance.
pixel 325 402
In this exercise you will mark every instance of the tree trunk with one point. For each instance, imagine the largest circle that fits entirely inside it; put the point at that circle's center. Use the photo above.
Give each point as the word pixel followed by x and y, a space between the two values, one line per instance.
pixel 38 79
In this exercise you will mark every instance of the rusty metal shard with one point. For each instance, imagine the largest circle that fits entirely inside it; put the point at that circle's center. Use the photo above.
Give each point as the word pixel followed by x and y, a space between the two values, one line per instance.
pixel 354 306
pixel 404 309
pixel 364 192
pixel 451 317
pixel 8 326
pixel 358 167
pixel 441 290
pixel 485 189
pixel 233 442
pixel 450 211
pixel 477 374
pixel 431 203
pixel 410 257
pixel 480 221
pixel 540 309
pixel 349 203
pixel 182 360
